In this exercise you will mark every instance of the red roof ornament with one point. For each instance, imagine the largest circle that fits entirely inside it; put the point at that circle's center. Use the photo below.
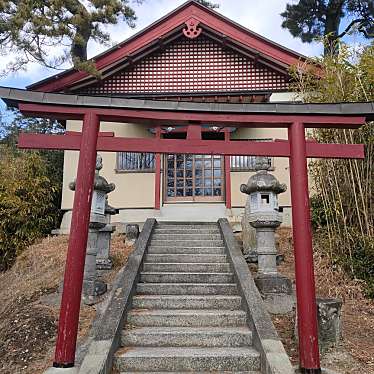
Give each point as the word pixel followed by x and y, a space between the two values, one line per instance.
pixel 192 30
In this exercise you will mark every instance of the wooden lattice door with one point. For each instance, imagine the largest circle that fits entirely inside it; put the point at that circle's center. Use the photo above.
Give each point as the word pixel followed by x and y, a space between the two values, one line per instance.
pixel 194 178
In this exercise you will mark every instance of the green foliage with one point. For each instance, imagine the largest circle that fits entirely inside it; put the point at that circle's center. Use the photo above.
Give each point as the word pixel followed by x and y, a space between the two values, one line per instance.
pixel 208 4
pixel 318 212
pixel 343 207
pixel 30 188
pixel 9 132
pixel 27 209
pixel 310 20
pixel 34 30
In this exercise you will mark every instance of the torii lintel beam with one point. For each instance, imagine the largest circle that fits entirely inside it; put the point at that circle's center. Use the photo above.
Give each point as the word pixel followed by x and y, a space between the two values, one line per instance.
pixel 107 143
pixel 177 117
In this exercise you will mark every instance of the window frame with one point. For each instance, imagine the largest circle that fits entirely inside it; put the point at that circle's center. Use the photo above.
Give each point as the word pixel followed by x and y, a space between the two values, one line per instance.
pixel 241 169
pixel 120 170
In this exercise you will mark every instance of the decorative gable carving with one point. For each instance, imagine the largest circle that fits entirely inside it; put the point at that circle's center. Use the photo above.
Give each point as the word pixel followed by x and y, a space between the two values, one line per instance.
pixel 198 65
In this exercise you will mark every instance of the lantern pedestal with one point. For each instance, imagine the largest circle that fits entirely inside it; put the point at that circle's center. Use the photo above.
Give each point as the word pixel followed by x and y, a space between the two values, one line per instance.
pixel 103 261
pixel 276 291
pixel 92 286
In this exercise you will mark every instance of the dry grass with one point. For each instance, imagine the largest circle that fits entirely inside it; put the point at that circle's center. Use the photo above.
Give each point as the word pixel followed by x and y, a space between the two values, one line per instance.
pixel 356 353
pixel 29 304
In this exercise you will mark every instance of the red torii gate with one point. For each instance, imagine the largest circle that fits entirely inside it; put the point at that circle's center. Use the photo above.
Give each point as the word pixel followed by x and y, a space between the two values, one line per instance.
pixel 297 149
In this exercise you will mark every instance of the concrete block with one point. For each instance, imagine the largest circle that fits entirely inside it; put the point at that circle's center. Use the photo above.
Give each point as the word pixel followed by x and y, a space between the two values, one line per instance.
pixel 229 302
pixel 187 235
pixel 132 233
pixel 186 289
pixel 188 243
pixel 200 258
pixel 329 323
pixel 186 318
pixel 209 267
pixel 53 370
pixel 149 277
pixel 188 359
pixel 273 284
pixel 279 303
pixel 187 337
pixel 189 250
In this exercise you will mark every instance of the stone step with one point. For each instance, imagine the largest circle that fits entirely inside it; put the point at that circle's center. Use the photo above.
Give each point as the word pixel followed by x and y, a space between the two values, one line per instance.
pixel 179 230
pixel 186 359
pixel 188 258
pixel 187 289
pixel 183 250
pixel 183 226
pixel 186 318
pixel 187 337
pixel 148 277
pixel 187 243
pixel 188 372
pixel 186 236
pixel 187 302
pixel 209 267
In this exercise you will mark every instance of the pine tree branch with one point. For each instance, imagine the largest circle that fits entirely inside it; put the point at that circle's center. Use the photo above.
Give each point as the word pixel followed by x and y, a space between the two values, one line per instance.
pixel 361 21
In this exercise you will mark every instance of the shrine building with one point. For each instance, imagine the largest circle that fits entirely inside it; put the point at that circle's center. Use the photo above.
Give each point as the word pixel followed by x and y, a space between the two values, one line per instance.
pixel 193 54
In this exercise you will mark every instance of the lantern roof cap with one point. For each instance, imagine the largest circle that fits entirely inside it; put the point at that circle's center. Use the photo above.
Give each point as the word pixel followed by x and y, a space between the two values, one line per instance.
pixel 262 181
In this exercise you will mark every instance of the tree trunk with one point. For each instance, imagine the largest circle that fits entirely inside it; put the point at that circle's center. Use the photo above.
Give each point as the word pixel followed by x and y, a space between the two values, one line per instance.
pixel 334 14
pixel 82 33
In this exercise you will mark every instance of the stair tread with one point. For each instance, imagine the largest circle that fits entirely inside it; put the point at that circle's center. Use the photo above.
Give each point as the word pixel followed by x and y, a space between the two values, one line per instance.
pixel 189 372
pixel 186 263
pixel 148 352
pixel 185 273
pixel 193 297
pixel 190 284
pixel 185 330
pixel 186 312
pixel 195 247
pixel 188 255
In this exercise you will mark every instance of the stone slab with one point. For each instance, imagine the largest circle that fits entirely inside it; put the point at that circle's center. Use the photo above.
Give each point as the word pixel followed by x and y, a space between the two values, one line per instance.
pixel 222 302
pixel 187 337
pixel 182 359
pixel 187 289
pixel 53 370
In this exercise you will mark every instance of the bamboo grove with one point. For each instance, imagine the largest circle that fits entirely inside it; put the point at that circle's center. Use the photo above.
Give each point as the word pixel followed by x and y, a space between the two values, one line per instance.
pixel 342 190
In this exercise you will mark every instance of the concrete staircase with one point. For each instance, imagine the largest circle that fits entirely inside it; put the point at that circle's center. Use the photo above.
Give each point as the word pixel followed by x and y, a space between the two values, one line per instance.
pixel 187 314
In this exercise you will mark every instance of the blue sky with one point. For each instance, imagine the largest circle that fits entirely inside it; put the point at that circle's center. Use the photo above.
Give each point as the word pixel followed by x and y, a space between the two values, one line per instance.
pixel 261 16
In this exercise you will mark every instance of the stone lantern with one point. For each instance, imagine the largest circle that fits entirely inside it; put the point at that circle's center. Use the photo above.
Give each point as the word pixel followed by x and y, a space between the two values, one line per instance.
pixel 103 260
pixel 263 190
pixel 92 286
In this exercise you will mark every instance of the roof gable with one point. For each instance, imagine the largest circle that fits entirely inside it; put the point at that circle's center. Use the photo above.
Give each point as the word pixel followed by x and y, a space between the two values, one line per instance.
pixel 199 65
pixel 171 26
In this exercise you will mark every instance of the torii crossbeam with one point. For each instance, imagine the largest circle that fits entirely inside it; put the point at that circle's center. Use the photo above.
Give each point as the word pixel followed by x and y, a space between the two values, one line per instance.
pixel 295 117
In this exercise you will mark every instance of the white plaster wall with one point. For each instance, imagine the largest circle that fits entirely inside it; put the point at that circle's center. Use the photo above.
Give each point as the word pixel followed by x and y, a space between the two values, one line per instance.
pixel 133 190
pixel 136 190
pixel 281 166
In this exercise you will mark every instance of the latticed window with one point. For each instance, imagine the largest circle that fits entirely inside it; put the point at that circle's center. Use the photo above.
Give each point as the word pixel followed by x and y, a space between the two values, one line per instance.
pixel 247 163
pixel 130 161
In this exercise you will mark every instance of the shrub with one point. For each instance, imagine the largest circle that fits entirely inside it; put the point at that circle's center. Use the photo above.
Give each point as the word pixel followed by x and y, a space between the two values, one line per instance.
pixel 27 209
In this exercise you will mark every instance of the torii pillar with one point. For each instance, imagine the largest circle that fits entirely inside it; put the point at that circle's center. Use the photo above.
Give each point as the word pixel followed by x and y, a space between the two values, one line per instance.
pixel 303 251
pixel 73 278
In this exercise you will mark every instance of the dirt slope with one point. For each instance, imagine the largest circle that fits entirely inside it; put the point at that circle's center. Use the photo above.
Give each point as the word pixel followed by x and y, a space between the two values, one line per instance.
pixel 29 305
pixel 355 355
